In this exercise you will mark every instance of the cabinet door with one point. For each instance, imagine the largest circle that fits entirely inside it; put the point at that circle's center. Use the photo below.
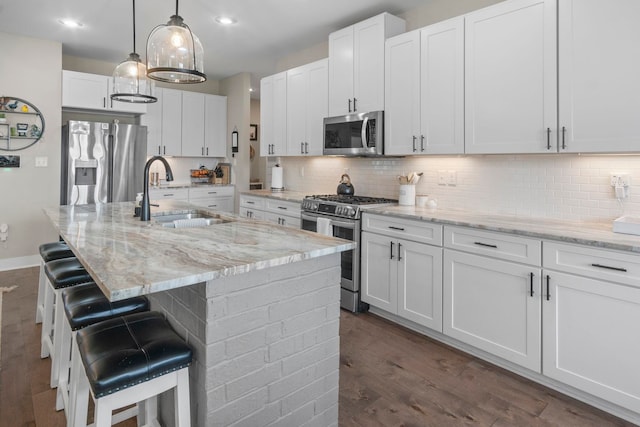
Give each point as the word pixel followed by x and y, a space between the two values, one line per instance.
pixel 487 303
pixel 297 83
pixel 379 273
pixel 153 121
pixel 251 213
pixel 192 124
pixel 599 85
pixel 442 88
pixel 83 90
pixel 402 94
pixel 171 122
pixel 510 78
pixel 340 71
pixel 368 64
pixel 280 115
pixel 215 126
pixel 420 283
pixel 317 106
pixel 266 115
pixel 590 337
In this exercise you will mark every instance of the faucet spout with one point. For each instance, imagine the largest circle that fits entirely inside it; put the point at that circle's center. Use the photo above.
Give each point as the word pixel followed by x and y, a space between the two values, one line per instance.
pixel 145 214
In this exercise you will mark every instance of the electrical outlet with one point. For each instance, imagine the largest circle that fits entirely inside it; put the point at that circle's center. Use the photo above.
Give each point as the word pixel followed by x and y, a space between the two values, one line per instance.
pixel 620 179
pixel 42 162
pixel 452 178
pixel 442 178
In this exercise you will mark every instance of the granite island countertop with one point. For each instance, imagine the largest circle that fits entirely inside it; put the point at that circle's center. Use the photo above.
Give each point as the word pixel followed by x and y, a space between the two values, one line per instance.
pixel 128 257
pixel 591 233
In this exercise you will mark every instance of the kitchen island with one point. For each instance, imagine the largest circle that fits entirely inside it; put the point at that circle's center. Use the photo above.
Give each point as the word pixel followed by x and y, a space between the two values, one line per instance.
pixel 258 303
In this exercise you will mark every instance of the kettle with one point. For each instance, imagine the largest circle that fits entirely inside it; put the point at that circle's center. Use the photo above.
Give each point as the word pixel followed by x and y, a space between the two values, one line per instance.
pixel 345 187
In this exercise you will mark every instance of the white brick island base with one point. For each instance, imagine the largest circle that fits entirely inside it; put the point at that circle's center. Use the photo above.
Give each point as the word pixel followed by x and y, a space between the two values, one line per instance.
pixel 266 345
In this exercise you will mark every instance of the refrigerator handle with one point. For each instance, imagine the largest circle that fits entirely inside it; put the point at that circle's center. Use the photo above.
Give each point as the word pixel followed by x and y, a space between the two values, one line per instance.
pixel 110 166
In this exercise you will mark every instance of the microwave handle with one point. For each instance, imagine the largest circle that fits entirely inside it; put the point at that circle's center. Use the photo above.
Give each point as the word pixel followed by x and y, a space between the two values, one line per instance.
pixel 363 133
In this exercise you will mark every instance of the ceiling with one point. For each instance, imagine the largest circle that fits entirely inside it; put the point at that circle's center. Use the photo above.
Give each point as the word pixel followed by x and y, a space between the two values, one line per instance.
pixel 266 30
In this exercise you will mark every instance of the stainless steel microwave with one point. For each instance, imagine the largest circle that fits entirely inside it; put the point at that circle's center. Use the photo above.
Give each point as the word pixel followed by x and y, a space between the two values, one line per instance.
pixel 358 134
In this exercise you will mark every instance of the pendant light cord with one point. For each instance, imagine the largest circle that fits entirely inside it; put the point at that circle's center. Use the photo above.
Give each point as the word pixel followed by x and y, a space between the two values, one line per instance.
pixel 134 25
pixel 177 8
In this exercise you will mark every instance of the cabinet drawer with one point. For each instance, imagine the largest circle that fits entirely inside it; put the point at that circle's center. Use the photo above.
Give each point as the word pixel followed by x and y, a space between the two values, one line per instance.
pixel 252 202
pixel 614 266
pixel 496 245
pixel 210 191
pixel 223 204
pixel 417 231
pixel 286 220
pixel 282 207
pixel 169 193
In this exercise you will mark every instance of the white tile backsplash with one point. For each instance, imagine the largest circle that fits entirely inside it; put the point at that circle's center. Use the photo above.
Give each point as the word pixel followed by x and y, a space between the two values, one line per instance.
pixel 551 186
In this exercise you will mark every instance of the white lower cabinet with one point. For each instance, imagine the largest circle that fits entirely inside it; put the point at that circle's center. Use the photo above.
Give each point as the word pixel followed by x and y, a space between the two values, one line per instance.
pixel 216 198
pixel 401 276
pixel 590 324
pixel 281 212
pixel 493 305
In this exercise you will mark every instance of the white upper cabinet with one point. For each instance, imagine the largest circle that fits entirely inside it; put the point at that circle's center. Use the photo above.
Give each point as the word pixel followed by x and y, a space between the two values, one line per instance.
pixel 356 64
pixel 93 92
pixel 424 90
pixel 171 124
pixel 510 78
pixel 192 124
pixel 307 98
pixel 273 115
pixel 215 126
pixel 599 67
pixel 153 121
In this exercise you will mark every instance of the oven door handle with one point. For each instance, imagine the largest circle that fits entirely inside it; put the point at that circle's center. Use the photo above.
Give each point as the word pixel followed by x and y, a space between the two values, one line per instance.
pixel 334 222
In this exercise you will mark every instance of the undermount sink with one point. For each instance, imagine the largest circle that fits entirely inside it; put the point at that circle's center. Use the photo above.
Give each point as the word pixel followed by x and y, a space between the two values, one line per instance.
pixel 189 219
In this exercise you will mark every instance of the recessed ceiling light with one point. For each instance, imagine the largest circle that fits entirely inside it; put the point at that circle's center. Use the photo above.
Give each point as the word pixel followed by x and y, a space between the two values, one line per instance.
pixel 225 20
pixel 71 23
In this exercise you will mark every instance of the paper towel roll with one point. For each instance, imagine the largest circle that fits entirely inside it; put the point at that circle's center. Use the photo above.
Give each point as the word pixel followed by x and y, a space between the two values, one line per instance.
pixel 276 179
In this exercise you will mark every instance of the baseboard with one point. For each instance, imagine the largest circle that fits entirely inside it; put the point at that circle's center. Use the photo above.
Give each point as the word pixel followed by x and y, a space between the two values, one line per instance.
pixel 19 262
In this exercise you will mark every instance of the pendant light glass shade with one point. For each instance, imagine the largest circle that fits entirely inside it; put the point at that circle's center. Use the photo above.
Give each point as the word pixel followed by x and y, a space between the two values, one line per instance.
pixel 174 53
pixel 130 83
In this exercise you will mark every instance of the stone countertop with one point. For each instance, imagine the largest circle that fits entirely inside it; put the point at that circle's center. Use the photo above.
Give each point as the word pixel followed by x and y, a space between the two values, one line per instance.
pixel 591 233
pixel 286 195
pixel 188 185
pixel 128 257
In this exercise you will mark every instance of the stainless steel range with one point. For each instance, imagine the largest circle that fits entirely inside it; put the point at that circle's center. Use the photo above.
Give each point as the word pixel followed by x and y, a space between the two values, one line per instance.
pixel 339 216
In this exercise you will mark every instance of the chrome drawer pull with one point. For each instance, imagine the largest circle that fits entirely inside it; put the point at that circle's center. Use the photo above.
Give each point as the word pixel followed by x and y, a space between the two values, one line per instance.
pixel 396 228
pixel 624 270
pixel 282 207
pixel 485 245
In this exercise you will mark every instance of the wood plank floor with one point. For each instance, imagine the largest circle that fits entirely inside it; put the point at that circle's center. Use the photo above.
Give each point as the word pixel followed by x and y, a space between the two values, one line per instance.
pixel 389 376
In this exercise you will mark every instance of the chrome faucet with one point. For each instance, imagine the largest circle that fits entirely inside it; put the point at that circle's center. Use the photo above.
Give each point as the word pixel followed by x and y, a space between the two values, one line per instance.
pixel 145 212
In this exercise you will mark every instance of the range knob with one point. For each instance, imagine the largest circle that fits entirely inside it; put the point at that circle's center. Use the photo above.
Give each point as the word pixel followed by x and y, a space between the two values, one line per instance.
pixel 349 211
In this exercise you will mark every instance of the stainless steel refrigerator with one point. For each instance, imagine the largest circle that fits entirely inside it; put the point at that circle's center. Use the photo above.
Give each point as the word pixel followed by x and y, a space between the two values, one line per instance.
pixel 102 162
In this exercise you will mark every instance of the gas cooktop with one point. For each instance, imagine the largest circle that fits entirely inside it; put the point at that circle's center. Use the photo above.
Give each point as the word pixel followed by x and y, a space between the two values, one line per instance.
pixel 342 205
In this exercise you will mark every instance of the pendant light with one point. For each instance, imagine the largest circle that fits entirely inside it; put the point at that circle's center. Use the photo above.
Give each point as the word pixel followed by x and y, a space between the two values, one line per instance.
pixel 174 53
pixel 130 83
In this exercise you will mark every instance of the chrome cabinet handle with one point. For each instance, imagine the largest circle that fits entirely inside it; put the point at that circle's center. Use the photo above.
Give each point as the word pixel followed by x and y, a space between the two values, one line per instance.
pixel 202 151
pixel 282 207
pixel 396 228
pixel 104 102
pixel 421 142
pixel 414 143
pixel 399 251
pixel 548 290
pixel 349 104
pixel 306 148
pixel 159 152
pixel 564 131
pixel 302 148
pixel 207 151
pixel 354 105
pixel 391 250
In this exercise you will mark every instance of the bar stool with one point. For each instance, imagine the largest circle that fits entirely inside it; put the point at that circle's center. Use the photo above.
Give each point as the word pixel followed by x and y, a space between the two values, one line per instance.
pixel 48 252
pixel 84 305
pixel 128 360
pixel 61 273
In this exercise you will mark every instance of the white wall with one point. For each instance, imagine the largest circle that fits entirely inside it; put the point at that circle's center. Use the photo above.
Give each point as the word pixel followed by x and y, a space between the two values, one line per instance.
pixel 31 69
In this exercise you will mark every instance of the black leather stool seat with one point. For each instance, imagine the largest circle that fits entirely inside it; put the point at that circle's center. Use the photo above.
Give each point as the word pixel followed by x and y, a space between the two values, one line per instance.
pixel 55 250
pixel 85 305
pixel 66 272
pixel 129 350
